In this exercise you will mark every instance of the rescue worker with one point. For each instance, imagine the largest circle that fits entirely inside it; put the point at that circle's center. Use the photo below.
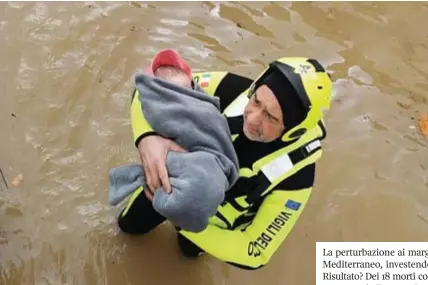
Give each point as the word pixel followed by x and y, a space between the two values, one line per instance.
pixel 277 126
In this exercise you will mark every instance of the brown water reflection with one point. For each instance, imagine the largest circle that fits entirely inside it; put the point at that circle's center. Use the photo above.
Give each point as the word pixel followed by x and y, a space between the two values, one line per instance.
pixel 65 76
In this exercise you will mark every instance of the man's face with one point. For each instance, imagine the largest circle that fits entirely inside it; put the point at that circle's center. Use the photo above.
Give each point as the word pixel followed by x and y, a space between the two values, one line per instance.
pixel 263 116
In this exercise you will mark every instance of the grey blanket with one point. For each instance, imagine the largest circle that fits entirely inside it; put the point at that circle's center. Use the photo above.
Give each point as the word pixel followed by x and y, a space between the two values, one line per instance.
pixel 199 178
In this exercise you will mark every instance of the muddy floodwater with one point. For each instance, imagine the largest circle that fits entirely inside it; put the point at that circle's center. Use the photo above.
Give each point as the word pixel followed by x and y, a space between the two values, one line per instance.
pixel 65 83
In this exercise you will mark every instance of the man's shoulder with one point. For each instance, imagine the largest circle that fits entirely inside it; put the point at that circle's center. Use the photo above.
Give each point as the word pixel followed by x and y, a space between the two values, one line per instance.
pixel 230 87
pixel 215 78
pixel 227 86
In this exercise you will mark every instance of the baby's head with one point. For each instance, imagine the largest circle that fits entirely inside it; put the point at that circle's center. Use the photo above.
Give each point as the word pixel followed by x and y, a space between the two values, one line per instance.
pixel 174 75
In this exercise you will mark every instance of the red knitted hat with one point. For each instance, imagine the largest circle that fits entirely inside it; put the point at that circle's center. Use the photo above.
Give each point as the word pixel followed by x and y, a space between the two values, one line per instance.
pixel 171 58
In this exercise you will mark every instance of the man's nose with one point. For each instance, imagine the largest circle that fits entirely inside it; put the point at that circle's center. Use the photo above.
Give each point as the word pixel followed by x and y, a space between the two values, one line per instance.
pixel 255 118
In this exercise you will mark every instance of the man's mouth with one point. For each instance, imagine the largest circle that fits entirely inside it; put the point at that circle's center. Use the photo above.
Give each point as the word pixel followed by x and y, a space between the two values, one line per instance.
pixel 252 130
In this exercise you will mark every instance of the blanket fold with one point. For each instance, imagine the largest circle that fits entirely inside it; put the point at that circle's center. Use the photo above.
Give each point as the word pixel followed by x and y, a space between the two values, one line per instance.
pixel 200 177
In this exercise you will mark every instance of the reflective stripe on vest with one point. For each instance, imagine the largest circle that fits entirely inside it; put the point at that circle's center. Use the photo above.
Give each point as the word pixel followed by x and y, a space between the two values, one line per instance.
pixel 278 166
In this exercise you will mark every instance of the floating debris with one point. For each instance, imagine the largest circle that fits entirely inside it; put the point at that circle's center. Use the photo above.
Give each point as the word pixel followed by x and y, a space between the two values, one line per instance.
pixel 423 124
pixel 3 180
pixel 17 180
pixel 403 105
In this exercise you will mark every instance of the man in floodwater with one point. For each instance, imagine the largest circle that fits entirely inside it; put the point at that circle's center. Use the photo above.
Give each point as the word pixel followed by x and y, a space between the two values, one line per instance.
pixel 276 122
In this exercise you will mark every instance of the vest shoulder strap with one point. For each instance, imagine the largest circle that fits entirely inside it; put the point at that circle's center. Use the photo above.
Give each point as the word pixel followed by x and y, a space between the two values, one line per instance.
pixel 283 163
pixel 273 172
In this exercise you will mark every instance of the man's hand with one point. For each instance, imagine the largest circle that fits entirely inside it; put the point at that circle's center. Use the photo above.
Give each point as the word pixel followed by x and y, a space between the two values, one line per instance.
pixel 149 194
pixel 153 150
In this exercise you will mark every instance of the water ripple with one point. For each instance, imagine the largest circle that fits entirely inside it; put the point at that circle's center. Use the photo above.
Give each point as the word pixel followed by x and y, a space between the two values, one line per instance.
pixel 66 75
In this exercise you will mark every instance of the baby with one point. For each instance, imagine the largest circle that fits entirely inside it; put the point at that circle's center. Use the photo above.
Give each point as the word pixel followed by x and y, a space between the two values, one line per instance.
pixel 200 177
pixel 175 75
